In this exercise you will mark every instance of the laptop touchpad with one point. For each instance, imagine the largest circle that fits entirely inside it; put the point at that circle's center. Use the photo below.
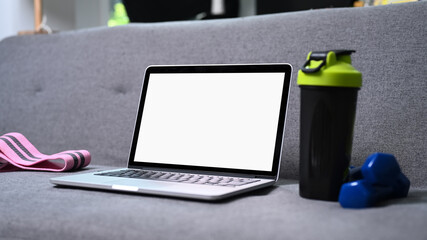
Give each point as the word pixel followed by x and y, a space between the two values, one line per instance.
pixel 134 184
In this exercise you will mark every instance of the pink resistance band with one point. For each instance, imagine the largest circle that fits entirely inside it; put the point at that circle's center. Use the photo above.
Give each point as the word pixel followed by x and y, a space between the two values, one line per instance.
pixel 17 152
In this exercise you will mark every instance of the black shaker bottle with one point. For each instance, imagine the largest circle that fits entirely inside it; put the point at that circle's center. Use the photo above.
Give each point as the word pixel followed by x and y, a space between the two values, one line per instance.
pixel 329 86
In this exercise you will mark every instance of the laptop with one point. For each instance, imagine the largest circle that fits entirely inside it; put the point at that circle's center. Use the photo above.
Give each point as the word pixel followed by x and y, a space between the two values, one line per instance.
pixel 203 132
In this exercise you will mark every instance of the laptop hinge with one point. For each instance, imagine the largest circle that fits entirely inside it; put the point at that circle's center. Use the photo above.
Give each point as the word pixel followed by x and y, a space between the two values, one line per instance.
pixel 268 177
pixel 203 172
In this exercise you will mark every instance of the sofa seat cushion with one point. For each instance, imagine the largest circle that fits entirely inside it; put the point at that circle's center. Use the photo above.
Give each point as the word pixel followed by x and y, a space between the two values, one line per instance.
pixel 31 207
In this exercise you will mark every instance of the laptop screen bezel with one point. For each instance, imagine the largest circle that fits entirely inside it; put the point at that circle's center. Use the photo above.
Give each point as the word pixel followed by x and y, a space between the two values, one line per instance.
pixel 241 68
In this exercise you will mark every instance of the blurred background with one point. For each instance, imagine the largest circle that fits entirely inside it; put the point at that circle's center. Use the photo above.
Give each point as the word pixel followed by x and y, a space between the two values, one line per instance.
pixel 64 15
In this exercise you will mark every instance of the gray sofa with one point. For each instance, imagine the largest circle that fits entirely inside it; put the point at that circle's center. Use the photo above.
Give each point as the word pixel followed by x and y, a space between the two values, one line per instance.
pixel 80 89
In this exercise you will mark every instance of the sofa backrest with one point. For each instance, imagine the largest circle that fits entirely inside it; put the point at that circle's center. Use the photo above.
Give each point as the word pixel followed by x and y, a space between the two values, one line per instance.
pixel 80 89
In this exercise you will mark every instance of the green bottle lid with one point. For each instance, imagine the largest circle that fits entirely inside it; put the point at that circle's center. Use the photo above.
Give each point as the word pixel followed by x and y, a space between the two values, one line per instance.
pixel 329 69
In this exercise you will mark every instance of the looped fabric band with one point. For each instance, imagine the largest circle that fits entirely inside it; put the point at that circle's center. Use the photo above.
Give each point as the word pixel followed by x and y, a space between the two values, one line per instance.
pixel 17 152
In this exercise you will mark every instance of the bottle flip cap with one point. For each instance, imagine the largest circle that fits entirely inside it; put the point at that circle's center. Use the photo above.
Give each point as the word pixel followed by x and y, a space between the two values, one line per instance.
pixel 330 69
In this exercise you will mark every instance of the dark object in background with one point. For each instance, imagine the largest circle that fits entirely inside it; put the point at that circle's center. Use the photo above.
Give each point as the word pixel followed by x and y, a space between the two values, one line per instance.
pixel 277 6
pixel 173 10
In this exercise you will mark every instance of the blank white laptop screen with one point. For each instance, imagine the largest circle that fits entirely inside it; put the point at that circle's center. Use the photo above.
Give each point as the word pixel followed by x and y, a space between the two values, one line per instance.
pixel 220 120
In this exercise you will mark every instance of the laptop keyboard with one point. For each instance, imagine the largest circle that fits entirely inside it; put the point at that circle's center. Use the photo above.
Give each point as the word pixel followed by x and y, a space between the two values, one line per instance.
pixel 180 177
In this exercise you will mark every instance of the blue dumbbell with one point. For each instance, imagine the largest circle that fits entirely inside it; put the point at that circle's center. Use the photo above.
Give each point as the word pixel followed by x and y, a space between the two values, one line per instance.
pixel 378 179
pixel 362 194
pixel 383 169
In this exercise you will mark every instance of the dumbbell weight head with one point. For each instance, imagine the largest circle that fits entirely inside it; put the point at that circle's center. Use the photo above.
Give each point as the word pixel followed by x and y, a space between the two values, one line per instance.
pixel 381 168
pixel 401 186
pixel 362 194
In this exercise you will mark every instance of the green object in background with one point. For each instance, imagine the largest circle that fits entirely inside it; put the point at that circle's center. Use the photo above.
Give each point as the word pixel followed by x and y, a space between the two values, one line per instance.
pixel 119 16
pixel 330 69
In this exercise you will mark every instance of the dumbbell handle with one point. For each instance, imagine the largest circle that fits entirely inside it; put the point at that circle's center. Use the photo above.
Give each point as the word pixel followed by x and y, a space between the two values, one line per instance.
pixel 355 174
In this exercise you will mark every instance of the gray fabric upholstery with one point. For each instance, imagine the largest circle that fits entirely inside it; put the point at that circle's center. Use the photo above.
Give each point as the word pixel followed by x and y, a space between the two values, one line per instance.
pixel 79 90
pixel 40 211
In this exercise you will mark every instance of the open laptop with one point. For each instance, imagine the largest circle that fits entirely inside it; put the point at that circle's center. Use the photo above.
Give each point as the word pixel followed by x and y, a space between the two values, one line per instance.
pixel 203 132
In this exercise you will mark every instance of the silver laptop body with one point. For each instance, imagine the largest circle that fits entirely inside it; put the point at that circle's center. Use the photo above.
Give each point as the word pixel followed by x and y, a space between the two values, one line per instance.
pixel 203 132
